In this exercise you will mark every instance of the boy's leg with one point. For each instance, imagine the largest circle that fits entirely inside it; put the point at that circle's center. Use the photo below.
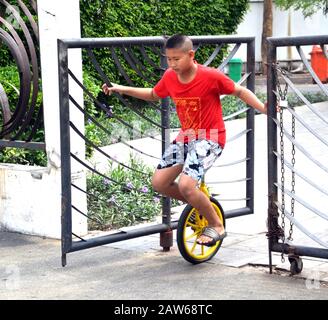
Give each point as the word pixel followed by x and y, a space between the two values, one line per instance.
pixel 201 156
pixel 168 169
pixel 188 189
pixel 163 182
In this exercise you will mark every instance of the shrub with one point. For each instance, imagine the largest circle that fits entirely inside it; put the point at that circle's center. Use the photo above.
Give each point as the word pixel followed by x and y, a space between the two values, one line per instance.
pixel 23 156
pixel 9 78
pixel 5 55
pixel 312 97
pixel 119 18
pixel 122 18
pixel 116 205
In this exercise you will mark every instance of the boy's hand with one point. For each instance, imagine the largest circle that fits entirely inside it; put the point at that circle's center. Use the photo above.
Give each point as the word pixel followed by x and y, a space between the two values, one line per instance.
pixel 266 107
pixel 115 88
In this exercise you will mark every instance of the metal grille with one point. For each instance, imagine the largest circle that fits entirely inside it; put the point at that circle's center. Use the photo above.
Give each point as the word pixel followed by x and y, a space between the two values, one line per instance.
pixel 20 122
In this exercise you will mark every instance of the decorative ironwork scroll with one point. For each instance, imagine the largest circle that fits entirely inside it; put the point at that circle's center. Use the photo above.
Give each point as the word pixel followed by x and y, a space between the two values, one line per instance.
pixel 21 119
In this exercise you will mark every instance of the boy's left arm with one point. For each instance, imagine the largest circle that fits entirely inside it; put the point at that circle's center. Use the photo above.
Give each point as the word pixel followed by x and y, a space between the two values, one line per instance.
pixel 249 98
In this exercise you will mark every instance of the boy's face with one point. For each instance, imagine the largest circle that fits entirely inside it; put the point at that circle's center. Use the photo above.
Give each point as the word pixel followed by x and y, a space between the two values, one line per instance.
pixel 180 60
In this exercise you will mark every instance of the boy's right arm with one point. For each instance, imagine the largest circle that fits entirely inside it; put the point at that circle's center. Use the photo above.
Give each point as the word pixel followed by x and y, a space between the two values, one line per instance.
pixel 147 94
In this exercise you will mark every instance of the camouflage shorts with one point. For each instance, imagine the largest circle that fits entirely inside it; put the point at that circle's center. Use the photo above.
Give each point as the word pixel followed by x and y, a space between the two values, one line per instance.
pixel 196 157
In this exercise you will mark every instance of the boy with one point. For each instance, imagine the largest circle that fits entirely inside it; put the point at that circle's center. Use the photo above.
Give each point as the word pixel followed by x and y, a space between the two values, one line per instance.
pixel 196 91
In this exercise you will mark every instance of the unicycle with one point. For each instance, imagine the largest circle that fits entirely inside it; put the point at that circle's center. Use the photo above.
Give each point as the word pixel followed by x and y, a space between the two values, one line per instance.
pixel 190 226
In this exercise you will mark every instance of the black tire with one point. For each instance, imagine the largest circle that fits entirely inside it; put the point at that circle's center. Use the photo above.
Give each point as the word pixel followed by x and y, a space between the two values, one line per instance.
pixel 183 228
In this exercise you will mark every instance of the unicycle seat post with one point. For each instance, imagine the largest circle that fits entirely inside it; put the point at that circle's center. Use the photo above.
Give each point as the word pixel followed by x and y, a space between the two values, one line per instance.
pixel 203 187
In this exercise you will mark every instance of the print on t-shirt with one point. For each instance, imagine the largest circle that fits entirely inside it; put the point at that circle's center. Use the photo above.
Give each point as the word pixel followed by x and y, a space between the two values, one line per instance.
pixel 189 112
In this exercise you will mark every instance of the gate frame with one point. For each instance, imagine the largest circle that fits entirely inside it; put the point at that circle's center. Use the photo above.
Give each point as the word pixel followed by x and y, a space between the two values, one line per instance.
pixel 166 227
pixel 274 245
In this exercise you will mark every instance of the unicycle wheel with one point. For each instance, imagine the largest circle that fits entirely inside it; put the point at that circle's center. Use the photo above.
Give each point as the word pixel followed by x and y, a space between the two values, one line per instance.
pixel 189 229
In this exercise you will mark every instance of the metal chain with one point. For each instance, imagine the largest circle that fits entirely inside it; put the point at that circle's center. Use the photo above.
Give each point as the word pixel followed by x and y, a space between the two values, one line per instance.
pixel 292 204
pixel 282 94
pixel 282 97
pixel 282 179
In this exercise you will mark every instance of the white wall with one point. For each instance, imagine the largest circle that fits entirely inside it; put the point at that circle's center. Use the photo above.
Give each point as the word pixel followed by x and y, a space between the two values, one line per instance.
pixel 31 197
pixel 300 26
pixel 29 200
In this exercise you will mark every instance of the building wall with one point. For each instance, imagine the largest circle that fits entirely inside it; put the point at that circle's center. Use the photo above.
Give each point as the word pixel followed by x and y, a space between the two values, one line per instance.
pixel 300 26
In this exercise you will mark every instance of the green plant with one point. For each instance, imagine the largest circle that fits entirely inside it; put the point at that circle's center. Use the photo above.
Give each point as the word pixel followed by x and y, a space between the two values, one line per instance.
pixel 130 201
pixel 118 18
pixel 127 18
pixel 9 78
pixel 231 104
pixel 23 156
pixel 308 7
pixel 294 100
pixel 5 56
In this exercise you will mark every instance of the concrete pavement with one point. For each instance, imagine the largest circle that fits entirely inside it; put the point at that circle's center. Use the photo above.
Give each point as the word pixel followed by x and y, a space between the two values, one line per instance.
pixel 31 269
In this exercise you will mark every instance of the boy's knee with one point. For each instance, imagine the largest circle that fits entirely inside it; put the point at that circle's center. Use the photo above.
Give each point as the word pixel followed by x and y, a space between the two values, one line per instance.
pixel 186 189
pixel 157 183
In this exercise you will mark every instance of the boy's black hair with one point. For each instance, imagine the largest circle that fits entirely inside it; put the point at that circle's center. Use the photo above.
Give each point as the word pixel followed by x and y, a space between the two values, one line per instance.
pixel 178 41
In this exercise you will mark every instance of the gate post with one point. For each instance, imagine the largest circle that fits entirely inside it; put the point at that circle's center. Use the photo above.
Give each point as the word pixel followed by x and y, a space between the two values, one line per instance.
pixel 61 19
pixel 250 125
pixel 166 238
pixel 272 147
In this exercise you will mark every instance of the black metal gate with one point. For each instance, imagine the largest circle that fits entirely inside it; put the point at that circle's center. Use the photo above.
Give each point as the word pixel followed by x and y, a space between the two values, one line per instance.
pixel 296 154
pixel 135 54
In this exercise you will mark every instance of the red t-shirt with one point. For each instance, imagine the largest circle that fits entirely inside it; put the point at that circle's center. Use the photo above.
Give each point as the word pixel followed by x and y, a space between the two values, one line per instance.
pixel 198 103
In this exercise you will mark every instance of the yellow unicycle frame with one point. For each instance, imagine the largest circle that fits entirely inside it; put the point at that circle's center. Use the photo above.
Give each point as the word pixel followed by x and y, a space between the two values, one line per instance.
pixel 190 227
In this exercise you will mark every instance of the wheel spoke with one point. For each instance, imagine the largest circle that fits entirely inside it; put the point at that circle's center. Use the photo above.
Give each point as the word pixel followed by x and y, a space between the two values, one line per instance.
pixel 191 224
pixel 194 246
pixel 196 233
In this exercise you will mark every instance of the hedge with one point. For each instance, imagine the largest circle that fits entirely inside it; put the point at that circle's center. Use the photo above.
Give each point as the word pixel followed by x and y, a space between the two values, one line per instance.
pixel 121 18
pixel 118 18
